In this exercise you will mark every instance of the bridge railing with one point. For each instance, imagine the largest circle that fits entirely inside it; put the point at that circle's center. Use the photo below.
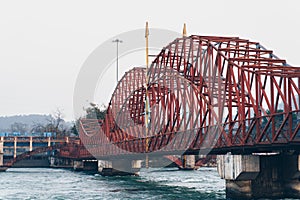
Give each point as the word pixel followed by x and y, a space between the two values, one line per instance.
pixel 257 131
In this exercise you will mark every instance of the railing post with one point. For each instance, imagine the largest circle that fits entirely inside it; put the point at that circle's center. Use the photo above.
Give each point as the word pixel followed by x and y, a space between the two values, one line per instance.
pixel 49 141
pixel 1 150
pixel 30 143
pixel 15 147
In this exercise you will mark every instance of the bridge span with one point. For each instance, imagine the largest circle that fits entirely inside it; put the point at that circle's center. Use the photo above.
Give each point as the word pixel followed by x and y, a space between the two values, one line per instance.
pixel 206 94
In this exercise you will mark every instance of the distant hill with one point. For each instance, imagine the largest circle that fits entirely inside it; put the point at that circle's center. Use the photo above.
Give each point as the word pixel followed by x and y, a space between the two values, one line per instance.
pixel 29 120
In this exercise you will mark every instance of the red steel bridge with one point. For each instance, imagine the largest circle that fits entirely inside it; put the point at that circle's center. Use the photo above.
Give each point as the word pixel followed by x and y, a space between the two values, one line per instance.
pixel 203 93
pixel 200 95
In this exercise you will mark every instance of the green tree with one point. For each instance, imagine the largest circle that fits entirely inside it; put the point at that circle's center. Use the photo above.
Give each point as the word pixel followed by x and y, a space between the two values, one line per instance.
pixel 74 129
pixel 94 112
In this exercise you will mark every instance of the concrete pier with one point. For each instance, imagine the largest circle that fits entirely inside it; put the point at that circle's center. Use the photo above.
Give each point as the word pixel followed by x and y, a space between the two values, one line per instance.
pixel 260 176
pixel 2 168
pixel 85 165
pixel 1 150
pixel 57 162
pixel 188 162
pixel 77 165
pixel 15 146
pixel 120 167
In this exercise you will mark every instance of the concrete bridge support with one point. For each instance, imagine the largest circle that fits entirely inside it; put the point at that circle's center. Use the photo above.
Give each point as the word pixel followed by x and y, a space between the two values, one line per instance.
pixel 85 165
pixel 57 162
pixel 15 146
pixel 188 162
pixel 120 167
pixel 260 176
pixel 77 165
pixel 30 143
pixel 1 150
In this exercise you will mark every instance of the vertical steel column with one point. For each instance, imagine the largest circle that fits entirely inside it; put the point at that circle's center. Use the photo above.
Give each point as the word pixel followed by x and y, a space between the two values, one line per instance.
pixel 15 146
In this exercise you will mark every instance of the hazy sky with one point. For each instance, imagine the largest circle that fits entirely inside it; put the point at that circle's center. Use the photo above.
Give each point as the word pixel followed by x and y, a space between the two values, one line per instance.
pixel 43 44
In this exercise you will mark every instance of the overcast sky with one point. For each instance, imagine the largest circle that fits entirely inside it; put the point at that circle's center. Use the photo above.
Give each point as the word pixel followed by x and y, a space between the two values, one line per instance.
pixel 43 44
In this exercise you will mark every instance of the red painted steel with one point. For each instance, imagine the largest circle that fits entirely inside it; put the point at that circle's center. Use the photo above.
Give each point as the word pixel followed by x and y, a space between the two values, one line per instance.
pixel 204 92
pixel 175 159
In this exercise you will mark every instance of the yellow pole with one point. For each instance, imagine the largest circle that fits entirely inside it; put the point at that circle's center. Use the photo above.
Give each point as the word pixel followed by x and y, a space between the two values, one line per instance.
pixel 147 79
pixel 184 30
pixel 147 49
pixel 184 35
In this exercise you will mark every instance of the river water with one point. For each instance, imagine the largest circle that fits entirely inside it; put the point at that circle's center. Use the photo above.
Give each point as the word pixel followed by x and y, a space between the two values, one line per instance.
pixel 154 183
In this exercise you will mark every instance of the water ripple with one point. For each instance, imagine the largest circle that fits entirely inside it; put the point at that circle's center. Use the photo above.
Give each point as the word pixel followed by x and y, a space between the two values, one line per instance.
pixel 58 184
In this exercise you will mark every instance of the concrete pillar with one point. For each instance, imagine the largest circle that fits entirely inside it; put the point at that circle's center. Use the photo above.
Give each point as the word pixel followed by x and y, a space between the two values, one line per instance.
pixel 188 162
pixel 30 143
pixel 15 146
pixel 78 165
pixel 67 139
pixel 120 167
pixel 49 141
pixel 1 150
pixel 57 162
pixel 52 161
pixel 85 165
pixel 260 176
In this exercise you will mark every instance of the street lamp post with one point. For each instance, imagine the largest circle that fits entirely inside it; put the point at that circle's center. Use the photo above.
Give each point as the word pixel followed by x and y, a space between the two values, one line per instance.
pixel 117 41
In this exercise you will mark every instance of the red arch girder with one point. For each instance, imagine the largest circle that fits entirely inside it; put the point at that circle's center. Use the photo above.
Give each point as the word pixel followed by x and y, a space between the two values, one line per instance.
pixel 131 81
pixel 229 61
pixel 166 102
pixel 94 133
pixel 169 104
pixel 248 86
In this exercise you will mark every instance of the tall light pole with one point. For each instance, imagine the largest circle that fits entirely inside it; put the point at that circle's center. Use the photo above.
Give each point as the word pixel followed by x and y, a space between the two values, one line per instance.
pixel 117 41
